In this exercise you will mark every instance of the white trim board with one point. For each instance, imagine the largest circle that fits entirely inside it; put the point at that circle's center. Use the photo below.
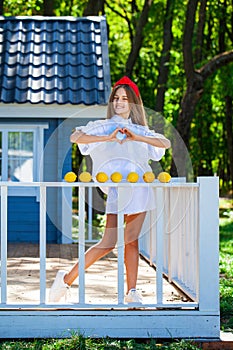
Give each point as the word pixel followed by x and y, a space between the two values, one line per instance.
pixel 27 110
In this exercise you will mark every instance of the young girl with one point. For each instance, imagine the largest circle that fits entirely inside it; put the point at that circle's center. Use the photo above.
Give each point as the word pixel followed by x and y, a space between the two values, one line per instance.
pixel 121 143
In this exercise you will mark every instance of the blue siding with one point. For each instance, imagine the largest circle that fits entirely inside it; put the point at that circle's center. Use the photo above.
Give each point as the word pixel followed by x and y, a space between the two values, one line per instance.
pixel 23 221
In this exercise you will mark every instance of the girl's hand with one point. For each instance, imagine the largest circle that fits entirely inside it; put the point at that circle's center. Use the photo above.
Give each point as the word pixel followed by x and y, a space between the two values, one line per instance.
pixel 113 135
pixel 158 141
pixel 130 135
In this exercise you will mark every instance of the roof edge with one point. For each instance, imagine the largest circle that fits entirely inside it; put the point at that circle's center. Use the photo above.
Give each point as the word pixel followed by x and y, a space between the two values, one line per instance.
pixel 53 18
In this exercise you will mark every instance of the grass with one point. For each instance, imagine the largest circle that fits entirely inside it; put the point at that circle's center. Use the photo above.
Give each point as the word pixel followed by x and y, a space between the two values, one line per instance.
pixel 78 342
pixel 226 264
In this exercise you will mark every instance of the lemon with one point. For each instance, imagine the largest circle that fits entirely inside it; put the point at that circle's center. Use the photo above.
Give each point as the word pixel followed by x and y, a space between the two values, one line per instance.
pixel 149 176
pixel 102 177
pixel 164 177
pixel 70 176
pixel 116 177
pixel 132 177
pixel 85 176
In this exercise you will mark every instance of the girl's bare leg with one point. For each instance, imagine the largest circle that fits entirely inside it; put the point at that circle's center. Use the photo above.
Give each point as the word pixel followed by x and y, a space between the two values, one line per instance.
pixel 99 250
pixel 132 230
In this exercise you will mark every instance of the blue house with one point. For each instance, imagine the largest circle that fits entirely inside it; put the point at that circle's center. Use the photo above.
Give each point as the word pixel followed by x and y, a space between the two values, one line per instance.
pixel 54 75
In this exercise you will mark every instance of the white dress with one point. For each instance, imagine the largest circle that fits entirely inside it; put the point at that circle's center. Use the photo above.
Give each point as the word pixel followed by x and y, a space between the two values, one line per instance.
pixel 130 156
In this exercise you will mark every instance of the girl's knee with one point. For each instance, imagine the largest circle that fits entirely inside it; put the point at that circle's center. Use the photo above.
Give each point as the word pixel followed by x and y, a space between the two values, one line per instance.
pixel 131 237
pixel 106 245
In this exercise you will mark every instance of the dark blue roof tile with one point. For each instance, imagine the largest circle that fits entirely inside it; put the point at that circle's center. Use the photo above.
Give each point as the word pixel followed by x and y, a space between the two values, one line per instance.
pixel 54 60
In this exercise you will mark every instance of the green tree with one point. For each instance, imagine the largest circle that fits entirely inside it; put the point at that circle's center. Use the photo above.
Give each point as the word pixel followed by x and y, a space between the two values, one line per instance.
pixel 195 79
pixel 179 53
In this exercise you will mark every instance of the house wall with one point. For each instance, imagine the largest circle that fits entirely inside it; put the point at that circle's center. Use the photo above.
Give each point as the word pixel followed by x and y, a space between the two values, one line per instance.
pixel 23 222
pixel 23 219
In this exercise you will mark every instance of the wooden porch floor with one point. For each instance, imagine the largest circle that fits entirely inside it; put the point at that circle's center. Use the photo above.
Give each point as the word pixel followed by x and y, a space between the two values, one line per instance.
pixel 101 278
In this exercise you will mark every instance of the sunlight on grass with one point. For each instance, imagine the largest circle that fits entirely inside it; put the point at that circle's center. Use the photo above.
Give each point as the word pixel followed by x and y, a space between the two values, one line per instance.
pixel 226 264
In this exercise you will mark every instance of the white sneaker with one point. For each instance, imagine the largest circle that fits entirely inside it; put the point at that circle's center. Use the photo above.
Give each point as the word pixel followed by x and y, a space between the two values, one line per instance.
pixel 59 288
pixel 133 297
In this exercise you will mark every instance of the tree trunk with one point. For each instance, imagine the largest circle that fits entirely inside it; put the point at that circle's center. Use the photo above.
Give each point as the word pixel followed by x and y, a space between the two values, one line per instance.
pixel 94 8
pixel 229 132
pixel 165 57
pixel 138 38
pixel 200 31
pixel 1 7
pixel 48 8
pixel 187 40
pixel 180 145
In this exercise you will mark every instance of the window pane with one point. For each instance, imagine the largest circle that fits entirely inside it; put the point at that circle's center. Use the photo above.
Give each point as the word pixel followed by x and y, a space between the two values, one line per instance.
pixel 20 156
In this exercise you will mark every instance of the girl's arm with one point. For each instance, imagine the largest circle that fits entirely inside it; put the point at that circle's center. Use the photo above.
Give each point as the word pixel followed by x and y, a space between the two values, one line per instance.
pixel 80 137
pixel 160 142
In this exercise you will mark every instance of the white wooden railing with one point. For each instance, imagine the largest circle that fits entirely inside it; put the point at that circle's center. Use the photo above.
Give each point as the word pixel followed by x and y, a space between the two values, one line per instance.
pixel 176 251
pixel 180 237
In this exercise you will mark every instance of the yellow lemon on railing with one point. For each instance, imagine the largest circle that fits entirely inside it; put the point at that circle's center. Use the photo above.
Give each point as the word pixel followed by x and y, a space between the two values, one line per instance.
pixel 70 176
pixel 148 176
pixel 164 177
pixel 102 177
pixel 132 177
pixel 116 177
pixel 85 176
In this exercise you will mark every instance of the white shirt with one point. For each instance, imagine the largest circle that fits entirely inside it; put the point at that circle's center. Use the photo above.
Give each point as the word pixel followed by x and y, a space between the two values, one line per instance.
pixel 130 156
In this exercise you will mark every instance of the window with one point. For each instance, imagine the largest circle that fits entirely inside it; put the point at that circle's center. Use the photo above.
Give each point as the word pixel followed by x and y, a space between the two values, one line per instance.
pixel 21 153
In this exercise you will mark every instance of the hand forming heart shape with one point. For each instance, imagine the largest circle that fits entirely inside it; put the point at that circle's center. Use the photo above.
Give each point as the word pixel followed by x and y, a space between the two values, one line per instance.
pixel 124 134
pixel 121 135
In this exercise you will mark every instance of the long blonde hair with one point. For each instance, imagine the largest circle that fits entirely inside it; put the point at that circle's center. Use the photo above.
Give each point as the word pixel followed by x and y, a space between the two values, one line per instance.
pixel 137 113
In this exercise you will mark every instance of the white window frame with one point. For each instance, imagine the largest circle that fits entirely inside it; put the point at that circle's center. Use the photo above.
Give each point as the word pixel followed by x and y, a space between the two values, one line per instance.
pixel 38 149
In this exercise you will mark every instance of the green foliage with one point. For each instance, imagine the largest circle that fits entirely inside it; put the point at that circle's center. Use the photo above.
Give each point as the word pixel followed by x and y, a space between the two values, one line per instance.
pixel 182 345
pixel 36 8
pixel 226 301
pixel 226 264
pixel 69 8
pixel 23 8
pixel 208 139
pixel 78 342
pixel 119 40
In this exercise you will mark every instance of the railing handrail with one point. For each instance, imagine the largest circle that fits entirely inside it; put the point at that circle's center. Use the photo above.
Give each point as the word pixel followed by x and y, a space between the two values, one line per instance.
pixel 96 184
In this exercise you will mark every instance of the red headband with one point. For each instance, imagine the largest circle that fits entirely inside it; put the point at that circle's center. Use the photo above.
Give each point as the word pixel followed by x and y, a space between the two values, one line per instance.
pixel 126 81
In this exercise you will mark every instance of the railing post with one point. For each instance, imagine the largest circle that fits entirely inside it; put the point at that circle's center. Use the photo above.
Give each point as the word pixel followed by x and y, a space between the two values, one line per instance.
pixel 3 244
pixel 66 217
pixel 120 245
pixel 159 244
pixel 208 244
pixel 81 244
pixel 42 244
pixel 169 234
pixel 90 210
